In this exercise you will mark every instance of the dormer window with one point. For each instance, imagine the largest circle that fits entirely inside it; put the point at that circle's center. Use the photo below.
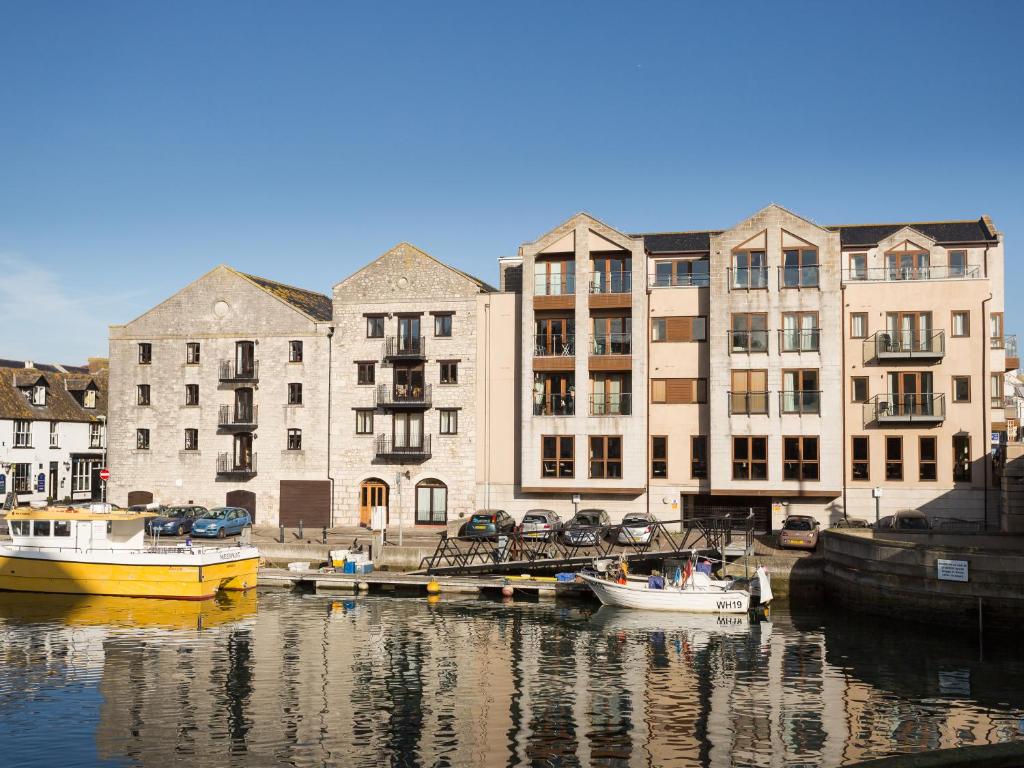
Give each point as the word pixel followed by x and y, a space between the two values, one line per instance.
pixel 38 395
pixel 89 398
pixel 907 262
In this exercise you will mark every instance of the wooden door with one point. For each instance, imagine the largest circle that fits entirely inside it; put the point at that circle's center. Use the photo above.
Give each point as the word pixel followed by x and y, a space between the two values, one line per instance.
pixel 372 493
pixel 244 499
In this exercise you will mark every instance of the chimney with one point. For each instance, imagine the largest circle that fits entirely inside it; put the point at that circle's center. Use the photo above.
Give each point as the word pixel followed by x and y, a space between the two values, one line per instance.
pixel 29 364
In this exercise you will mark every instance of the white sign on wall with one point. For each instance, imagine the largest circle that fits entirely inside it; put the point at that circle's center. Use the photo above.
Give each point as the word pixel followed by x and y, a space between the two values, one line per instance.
pixel 951 570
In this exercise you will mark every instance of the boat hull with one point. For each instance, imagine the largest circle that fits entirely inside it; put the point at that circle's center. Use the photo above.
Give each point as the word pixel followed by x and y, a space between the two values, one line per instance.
pixel 175 580
pixel 692 601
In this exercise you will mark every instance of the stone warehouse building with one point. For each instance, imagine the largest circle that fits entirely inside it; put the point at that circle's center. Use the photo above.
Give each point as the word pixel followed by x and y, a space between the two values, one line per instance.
pixel 52 431
pixel 779 365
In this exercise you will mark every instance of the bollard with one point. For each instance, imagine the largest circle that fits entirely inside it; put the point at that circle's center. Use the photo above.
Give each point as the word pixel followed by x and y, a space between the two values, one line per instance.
pixel 300 530
pixel 325 535
pixel 282 534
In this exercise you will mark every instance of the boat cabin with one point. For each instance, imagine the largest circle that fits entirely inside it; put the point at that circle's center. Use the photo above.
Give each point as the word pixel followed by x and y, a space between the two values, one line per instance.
pixel 78 529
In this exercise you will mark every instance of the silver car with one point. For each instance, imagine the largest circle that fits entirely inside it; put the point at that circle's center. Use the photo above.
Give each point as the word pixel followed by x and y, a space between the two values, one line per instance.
pixel 637 528
pixel 541 524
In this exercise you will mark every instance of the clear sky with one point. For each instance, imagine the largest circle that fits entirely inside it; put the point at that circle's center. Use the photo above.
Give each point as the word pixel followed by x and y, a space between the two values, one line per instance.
pixel 142 143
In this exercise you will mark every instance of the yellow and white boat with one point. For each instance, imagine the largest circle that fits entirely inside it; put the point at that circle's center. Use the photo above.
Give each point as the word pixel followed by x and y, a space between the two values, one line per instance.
pixel 101 552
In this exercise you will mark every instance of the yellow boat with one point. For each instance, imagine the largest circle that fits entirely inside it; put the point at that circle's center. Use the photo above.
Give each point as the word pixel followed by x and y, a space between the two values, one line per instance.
pixel 99 551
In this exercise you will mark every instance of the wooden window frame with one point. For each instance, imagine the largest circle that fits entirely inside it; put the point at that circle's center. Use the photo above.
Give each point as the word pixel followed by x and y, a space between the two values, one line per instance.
pixel 866 461
pixel 192 353
pixel 698 386
pixel 294 439
pixel 900 462
pixel 191 439
pixel 143 395
pixel 798 315
pixel 567 286
pixel 747 392
pixel 750 461
pixel 295 351
pixel 675 273
pixel 295 393
pixel 995 322
pixel 694 440
pixel 604 461
pixel 850 271
pixel 734 264
pixel 952 389
pixel 558 459
pixel 448 372
pixel 361 379
pixel 452 415
pixel 439 318
pixel 800 251
pixel 967 324
pixel 663 461
pixel 142 441
pixel 801 461
pixel 969 476
pixel 934 462
pixel 749 330
pixel 145 353
pixel 189 399
pixel 949 262
pixel 853 388
pixel 361 413
pixel 866 332
pixel 371 321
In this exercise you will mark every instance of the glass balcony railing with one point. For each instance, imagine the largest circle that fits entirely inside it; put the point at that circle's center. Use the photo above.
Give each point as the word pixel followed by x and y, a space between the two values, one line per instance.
pixel 894 345
pixel 894 273
pixel 616 281
pixel 900 407
pixel 554 285
pixel 554 405
pixel 611 344
pixel 800 401
pixel 610 404
pixel 798 277
pixel 748 278
pixel 545 345
pixel 793 340
pixel 689 280
pixel 748 342
pixel 748 403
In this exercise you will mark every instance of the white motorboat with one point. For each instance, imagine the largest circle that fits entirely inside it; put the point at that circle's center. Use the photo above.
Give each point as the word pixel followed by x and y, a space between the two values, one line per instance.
pixel 698 594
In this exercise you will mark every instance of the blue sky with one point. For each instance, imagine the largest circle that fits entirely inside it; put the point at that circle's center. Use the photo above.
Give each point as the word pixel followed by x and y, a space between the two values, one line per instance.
pixel 142 143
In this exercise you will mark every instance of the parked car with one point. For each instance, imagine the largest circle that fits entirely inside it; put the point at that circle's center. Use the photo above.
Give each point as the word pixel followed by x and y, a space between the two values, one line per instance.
pixel 541 524
pixel 488 524
pixel 905 520
pixel 799 532
pixel 586 528
pixel 220 522
pixel 637 528
pixel 175 521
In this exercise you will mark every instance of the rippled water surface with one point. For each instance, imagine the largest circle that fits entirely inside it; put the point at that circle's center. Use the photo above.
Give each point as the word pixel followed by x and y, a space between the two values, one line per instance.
pixel 281 679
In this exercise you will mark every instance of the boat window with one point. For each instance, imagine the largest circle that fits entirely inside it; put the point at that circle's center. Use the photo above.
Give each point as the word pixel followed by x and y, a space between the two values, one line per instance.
pixel 19 528
pixel 61 527
pixel 40 527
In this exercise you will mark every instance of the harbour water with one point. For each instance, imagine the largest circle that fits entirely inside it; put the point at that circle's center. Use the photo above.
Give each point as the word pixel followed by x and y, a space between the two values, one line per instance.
pixel 281 679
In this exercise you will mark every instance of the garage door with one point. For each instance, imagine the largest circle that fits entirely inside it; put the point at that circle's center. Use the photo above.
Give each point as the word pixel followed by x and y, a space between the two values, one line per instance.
pixel 138 498
pixel 244 499
pixel 306 500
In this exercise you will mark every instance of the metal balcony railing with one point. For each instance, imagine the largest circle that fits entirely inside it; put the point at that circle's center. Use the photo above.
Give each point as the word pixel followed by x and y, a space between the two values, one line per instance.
pixel 238 416
pixel 793 340
pixel 554 285
pixel 230 370
pixel 389 448
pixel 554 405
pixel 231 465
pixel 616 281
pixel 799 277
pixel 887 274
pixel 403 396
pixel 896 407
pixel 748 403
pixel 800 401
pixel 611 344
pixel 404 348
pixel 894 345
pixel 554 346
pixel 997 342
pixel 748 342
pixel 689 280
pixel 997 401
pixel 611 404
pixel 748 278
pixel 1010 345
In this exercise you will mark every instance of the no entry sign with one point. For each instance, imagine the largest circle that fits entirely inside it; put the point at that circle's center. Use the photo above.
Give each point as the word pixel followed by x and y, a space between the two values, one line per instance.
pixel 104 474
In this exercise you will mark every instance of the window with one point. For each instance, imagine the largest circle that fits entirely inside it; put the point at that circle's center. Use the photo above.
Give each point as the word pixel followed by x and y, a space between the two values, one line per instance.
pixel 450 372
pixel 800 393
pixel 996 329
pixel 142 394
pixel 749 393
pixel 191 394
pixel 750 270
pixel 40 527
pixel 294 351
pixel 554 336
pixel 961 389
pixel 449 421
pixel 699 457
pixel 681 272
pixel 907 262
pixel 858 266
pixel 89 398
pixel 54 435
pixel 611 274
pixel 364 421
pixel 365 373
pixel 22 433
pixel 610 394
pixel 558 456
pixel 431 502
pixel 145 354
pixel 605 457
pixel 192 353
pixel 800 268
pixel 191 439
pixel 893 458
pixel 22 478
pixel 659 456
pixel 677 391
pixel 996 389
pixel 749 332
pixel 685 328
pixel 750 458
pixel 375 327
pixel 800 458
pixel 957 263
pixel 442 325
pixel 38 396
pixel 859 389
pixel 611 335
pixel 961 324
pixel 295 394
pixel 62 528
pixel 926 467
pixel 961 458
pixel 95 435
pixel 858 325
pixel 800 332
pixel 554 276
pixel 142 439
pixel 294 439
pixel 860 466
pixel 19 527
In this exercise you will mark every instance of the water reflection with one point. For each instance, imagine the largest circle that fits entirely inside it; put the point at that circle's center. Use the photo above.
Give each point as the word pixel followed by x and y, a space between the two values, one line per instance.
pixel 380 681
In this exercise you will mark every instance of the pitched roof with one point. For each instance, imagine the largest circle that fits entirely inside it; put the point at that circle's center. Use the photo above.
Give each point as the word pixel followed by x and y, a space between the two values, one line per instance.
pixel 60 403
pixel 678 242
pixel 310 303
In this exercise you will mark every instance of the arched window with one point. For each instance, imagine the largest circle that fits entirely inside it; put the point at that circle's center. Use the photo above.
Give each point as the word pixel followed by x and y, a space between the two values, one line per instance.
pixel 431 502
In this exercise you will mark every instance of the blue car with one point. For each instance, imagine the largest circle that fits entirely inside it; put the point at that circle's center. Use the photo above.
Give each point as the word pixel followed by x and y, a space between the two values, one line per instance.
pixel 174 521
pixel 221 521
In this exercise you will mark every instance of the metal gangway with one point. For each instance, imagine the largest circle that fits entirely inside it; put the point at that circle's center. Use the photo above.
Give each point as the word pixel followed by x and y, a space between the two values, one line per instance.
pixel 721 537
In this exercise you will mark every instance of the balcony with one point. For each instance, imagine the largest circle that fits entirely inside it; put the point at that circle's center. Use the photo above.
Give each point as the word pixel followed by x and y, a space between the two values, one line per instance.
pixel 389 449
pixel 905 345
pixel 792 340
pixel 899 408
pixel 238 416
pixel 232 372
pixel 554 405
pixel 799 277
pixel 554 346
pixel 1012 358
pixel 748 403
pixel 403 397
pixel 611 344
pixel 611 404
pixel 404 348
pixel 554 291
pixel 748 278
pixel 800 401
pixel 998 401
pixel 240 466
pixel 748 342
pixel 616 281
pixel 900 274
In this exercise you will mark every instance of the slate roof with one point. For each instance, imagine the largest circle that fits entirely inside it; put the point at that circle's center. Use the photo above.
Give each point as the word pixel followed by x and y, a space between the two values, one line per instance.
pixel 678 242
pixel 60 403
pixel 315 305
